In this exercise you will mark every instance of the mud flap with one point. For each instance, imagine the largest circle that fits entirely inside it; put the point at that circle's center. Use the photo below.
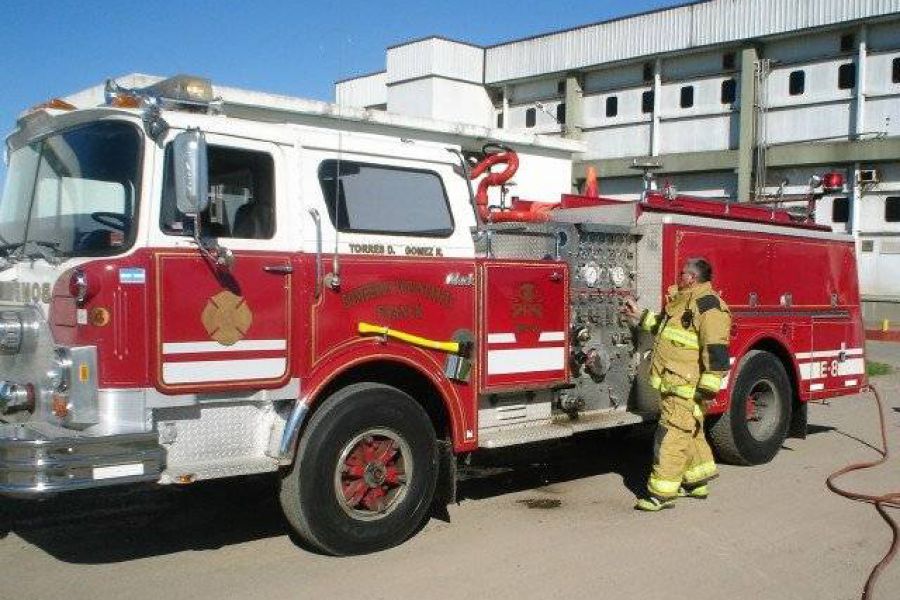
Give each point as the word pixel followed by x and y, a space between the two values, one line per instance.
pixel 445 490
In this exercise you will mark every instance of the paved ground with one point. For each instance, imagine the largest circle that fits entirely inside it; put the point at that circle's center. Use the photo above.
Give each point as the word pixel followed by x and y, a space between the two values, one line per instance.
pixel 560 527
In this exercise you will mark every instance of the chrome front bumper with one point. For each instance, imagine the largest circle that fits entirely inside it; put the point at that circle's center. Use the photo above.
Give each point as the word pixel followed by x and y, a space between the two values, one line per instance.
pixel 38 458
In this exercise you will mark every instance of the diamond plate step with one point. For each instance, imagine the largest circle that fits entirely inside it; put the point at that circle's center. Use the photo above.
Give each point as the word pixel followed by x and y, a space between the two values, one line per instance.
pixel 562 426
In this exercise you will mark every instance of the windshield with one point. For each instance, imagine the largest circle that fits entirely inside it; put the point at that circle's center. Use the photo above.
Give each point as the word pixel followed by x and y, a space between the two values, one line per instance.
pixel 72 193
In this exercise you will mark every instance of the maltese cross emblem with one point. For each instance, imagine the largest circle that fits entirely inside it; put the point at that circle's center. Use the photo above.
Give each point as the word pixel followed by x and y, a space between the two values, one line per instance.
pixel 226 318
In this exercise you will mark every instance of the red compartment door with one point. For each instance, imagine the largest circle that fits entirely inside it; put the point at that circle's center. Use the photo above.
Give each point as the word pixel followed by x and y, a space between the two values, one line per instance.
pixel 525 334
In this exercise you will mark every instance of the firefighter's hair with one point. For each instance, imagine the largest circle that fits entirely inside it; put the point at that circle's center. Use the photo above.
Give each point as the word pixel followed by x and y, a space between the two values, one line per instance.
pixel 701 268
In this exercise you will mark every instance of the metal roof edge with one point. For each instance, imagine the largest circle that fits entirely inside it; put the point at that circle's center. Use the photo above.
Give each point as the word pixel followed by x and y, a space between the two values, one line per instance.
pixel 439 37
pixel 363 76
pixel 597 23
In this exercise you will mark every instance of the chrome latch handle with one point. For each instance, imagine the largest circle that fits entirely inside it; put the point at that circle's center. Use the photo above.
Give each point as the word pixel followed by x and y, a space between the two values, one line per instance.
pixel 279 269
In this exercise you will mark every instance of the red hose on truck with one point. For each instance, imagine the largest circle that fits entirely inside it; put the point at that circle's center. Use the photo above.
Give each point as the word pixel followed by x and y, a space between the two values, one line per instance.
pixel 529 212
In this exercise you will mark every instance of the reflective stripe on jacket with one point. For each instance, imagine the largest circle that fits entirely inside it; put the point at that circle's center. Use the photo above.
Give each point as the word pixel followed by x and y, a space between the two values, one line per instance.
pixel 691 346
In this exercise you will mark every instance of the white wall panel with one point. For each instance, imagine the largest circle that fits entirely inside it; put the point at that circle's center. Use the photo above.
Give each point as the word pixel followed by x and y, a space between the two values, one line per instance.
pixel 883 115
pixel 362 91
pixel 540 178
pixel 616 142
pixel 621 188
pixel 458 61
pixel 821 83
pixel 629 108
pixel 707 96
pixel 619 77
pixel 884 36
pixel 879 69
pixel 413 98
pixel 718 185
pixel 545 120
pixel 879 267
pixel 696 134
pixel 808 123
pixel 804 48
pixel 824 215
pixel 459 101
pixel 435 56
pixel 871 218
pixel 692 65
pixel 534 90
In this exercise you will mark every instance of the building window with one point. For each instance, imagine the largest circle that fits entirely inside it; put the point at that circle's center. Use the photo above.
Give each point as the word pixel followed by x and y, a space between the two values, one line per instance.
pixel 729 91
pixel 241 193
pixel 728 61
pixel 383 199
pixel 612 106
pixel 896 68
pixel 848 42
pixel 847 76
pixel 647 102
pixel 797 83
pixel 840 210
pixel 499 120
pixel 561 113
pixel 561 87
pixel 687 96
pixel 530 117
pixel 892 209
pixel 648 71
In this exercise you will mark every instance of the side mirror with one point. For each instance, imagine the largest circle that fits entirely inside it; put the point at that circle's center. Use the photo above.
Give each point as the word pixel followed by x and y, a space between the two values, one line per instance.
pixel 191 174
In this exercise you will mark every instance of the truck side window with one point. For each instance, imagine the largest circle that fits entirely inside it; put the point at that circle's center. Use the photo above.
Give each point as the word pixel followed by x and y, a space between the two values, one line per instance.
pixel 241 192
pixel 380 199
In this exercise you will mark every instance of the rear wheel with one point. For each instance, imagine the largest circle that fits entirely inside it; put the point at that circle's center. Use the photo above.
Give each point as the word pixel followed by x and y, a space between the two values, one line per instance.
pixel 754 427
pixel 365 471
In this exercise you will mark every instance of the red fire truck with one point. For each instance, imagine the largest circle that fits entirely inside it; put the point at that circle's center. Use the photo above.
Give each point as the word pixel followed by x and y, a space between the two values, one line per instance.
pixel 197 287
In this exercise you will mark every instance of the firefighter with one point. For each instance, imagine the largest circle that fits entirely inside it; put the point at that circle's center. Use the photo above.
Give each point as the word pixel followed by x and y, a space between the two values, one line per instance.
pixel 687 365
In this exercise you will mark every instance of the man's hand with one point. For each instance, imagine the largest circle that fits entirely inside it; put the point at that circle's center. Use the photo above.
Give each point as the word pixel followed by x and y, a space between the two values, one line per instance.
pixel 630 309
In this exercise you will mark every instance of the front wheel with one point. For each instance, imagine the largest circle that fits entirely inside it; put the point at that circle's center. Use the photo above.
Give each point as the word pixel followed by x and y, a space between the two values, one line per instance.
pixel 754 427
pixel 365 471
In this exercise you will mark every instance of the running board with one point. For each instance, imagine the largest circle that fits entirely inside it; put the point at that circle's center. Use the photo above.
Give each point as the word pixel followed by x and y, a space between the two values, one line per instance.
pixel 561 426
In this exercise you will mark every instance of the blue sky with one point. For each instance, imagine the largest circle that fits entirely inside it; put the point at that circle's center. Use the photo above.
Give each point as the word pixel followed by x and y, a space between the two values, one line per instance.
pixel 53 48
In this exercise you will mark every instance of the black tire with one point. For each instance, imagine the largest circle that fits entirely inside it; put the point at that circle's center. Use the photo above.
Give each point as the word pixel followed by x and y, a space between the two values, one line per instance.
pixel 357 417
pixel 742 441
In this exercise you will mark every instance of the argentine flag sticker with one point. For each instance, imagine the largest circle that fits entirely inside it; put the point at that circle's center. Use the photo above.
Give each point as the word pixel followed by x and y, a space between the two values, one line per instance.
pixel 132 276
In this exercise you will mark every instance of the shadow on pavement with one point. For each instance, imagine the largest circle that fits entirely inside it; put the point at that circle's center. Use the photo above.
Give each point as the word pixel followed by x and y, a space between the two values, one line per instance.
pixel 116 525
pixel 627 453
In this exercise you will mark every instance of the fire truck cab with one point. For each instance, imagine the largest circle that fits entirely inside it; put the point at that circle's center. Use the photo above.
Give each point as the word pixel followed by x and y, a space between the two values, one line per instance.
pixel 201 282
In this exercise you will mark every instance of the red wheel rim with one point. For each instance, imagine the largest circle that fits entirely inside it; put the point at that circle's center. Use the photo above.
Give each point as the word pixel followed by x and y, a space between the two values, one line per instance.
pixel 372 474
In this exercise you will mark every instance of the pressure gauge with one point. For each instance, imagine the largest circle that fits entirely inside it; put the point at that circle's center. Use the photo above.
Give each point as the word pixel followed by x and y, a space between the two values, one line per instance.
pixel 590 273
pixel 617 275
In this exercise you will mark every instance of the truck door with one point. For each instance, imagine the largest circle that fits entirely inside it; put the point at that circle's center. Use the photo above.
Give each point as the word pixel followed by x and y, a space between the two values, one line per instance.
pixel 225 329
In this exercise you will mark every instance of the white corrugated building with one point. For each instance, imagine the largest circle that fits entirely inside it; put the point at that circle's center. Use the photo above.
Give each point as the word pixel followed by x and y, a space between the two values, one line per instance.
pixel 823 76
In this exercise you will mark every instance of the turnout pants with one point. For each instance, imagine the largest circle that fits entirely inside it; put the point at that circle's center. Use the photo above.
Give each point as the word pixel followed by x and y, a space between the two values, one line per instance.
pixel 681 454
